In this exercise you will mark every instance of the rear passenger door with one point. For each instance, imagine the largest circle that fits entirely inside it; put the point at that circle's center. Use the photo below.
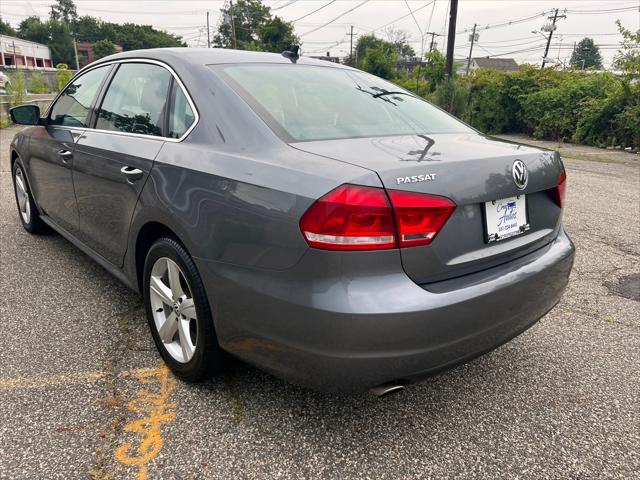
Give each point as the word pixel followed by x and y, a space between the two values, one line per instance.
pixel 113 159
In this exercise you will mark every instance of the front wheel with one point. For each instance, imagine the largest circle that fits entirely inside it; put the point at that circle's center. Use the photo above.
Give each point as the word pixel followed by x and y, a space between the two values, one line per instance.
pixel 29 216
pixel 178 312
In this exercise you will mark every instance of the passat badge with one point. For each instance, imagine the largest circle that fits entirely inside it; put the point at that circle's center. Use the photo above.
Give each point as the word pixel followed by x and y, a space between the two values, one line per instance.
pixel 425 177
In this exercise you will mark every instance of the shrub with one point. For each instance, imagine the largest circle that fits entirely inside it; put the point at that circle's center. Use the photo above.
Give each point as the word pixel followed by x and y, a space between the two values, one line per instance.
pixel 17 89
pixel 63 75
pixel 451 96
pixel 37 84
pixel 554 112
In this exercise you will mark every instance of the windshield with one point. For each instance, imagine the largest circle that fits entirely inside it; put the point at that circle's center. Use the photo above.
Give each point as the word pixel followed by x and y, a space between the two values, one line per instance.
pixel 304 102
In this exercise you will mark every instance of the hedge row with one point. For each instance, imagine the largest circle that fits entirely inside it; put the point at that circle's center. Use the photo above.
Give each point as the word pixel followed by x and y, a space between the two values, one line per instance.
pixel 598 109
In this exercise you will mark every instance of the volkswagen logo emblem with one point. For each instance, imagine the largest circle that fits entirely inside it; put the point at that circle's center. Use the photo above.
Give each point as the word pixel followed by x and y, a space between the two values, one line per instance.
pixel 520 174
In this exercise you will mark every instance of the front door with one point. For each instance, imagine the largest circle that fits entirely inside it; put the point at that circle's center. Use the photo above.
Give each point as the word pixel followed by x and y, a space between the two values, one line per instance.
pixel 113 161
pixel 52 147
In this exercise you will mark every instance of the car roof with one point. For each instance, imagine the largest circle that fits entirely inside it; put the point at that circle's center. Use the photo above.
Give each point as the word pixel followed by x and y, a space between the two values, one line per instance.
pixel 214 56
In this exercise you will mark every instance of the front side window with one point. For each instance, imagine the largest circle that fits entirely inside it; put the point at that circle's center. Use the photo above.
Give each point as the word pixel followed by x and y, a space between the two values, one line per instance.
pixel 73 106
pixel 135 100
pixel 305 102
pixel 181 115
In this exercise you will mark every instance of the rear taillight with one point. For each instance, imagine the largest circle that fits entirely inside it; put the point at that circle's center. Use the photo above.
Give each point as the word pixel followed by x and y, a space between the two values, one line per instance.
pixel 350 217
pixel 353 217
pixel 419 217
pixel 560 189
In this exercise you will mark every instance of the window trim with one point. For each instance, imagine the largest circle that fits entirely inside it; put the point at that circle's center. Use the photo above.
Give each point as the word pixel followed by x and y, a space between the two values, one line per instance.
pixel 103 96
pixel 94 100
pixel 103 90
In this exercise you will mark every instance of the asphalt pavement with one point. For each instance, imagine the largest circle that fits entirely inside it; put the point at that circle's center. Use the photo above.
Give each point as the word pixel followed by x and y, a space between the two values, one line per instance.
pixel 83 393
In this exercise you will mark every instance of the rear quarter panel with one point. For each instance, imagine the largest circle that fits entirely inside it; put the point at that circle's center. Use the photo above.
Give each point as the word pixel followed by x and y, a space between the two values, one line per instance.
pixel 239 209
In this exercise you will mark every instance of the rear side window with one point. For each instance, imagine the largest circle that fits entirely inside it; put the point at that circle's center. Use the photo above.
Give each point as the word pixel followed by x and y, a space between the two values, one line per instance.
pixel 181 115
pixel 72 107
pixel 135 100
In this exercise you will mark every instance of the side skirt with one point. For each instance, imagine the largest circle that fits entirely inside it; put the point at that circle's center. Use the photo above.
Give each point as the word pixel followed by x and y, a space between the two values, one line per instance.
pixel 92 254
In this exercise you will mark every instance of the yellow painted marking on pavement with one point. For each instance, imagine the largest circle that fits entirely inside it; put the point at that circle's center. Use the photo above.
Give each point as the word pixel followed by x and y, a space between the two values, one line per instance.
pixel 156 410
pixel 63 379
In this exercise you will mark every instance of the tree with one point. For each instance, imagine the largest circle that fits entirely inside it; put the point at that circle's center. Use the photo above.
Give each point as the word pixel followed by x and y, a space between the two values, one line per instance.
pixel 380 60
pixel 61 43
pixel 89 29
pixel 54 33
pixel 399 45
pixel 134 37
pixel 248 16
pixel 255 28
pixel 65 11
pixel 628 57
pixel 434 69
pixel 586 55
pixel 365 42
pixel 400 39
pixel 33 29
pixel 6 29
pixel 103 48
pixel 276 35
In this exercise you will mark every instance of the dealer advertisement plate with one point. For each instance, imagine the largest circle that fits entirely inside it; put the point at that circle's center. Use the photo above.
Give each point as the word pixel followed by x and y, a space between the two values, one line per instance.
pixel 505 218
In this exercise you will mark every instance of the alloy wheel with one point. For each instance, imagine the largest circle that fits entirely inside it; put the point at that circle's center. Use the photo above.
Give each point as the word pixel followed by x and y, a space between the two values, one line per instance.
pixel 24 205
pixel 174 310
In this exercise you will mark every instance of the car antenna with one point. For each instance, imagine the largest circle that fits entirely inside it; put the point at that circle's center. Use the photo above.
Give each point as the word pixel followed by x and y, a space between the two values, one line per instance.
pixel 293 53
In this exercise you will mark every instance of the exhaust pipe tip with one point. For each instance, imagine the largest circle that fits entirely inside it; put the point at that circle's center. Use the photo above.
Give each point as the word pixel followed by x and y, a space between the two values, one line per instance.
pixel 386 390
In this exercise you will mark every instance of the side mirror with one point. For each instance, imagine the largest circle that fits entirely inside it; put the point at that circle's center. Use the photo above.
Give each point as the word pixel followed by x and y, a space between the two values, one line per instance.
pixel 25 115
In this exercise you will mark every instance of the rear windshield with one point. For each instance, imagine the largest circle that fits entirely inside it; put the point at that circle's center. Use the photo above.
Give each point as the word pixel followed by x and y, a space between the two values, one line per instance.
pixel 302 102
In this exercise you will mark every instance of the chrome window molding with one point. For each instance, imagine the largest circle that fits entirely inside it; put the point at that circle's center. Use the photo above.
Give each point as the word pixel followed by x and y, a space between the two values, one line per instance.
pixel 115 132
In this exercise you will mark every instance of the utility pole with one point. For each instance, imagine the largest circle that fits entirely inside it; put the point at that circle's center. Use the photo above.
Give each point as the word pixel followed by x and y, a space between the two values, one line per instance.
pixel 351 47
pixel 208 33
pixel 433 34
pixel 75 51
pixel 233 26
pixel 451 38
pixel 551 29
pixel 473 40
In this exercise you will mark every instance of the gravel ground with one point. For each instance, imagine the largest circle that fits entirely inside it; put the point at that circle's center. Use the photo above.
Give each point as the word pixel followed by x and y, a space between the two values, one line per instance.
pixel 560 401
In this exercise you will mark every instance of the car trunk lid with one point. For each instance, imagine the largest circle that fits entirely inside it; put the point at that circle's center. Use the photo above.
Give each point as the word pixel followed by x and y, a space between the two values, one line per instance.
pixel 469 169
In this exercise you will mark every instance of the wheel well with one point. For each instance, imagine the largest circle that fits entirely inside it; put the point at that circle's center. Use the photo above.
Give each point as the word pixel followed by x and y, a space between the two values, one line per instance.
pixel 14 157
pixel 148 234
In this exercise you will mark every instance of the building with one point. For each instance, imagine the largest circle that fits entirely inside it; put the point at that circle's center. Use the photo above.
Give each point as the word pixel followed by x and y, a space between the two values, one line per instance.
pixel 504 64
pixel 19 53
pixel 86 55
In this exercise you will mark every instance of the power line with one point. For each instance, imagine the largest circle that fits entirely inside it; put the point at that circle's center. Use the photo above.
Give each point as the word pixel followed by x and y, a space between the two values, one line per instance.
pixel 600 11
pixel 414 18
pixel 334 19
pixel 291 2
pixel 314 11
pixel 400 18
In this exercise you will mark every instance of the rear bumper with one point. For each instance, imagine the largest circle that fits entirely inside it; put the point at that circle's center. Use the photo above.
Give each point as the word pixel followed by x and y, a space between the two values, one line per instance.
pixel 346 322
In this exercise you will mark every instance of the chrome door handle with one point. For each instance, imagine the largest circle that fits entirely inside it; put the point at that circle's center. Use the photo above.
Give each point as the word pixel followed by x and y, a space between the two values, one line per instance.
pixel 131 173
pixel 65 156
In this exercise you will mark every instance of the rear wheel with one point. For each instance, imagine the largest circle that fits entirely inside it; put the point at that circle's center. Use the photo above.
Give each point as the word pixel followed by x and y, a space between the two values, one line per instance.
pixel 29 216
pixel 178 312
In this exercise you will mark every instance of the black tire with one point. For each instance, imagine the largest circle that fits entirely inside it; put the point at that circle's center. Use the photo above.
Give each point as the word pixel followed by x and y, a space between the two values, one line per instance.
pixel 35 224
pixel 208 358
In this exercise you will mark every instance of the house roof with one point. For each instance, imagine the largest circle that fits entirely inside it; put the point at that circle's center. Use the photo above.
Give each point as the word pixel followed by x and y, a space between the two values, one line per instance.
pixel 508 64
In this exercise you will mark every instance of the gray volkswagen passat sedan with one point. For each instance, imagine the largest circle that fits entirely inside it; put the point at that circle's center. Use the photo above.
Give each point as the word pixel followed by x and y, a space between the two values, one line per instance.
pixel 306 217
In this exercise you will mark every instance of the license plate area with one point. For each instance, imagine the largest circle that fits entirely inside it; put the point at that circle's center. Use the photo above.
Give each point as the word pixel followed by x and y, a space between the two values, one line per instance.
pixel 505 218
